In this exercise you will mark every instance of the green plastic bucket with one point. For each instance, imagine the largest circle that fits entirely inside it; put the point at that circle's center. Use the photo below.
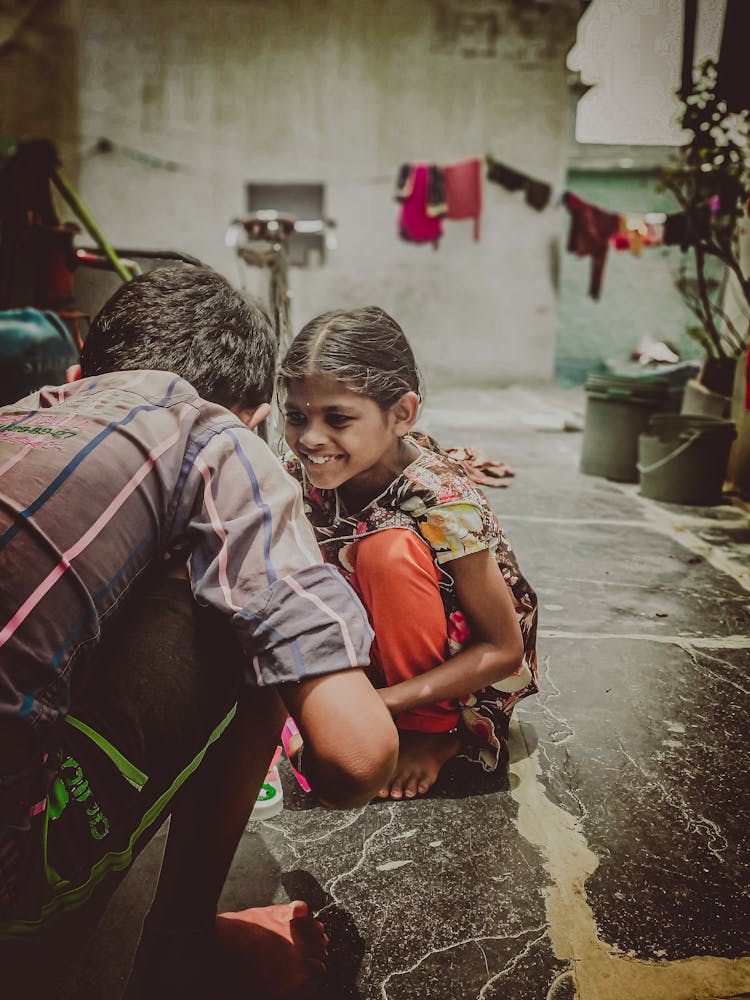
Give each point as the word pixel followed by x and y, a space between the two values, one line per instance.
pixel 618 410
pixel 683 458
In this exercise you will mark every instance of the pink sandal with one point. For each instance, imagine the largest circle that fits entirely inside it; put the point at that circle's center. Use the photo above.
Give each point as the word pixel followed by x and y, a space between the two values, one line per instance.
pixel 290 730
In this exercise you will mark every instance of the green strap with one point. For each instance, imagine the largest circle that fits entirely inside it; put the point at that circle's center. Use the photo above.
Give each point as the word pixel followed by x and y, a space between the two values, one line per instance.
pixel 129 771
pixel 66 190
pixel 113 861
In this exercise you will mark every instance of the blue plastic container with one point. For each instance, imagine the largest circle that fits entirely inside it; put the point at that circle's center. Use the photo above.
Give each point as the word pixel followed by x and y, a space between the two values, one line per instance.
pixel 35 349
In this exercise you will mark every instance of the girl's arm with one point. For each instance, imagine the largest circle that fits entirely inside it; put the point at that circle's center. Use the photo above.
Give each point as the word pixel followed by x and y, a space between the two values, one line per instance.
pixel 495 652
pixel 399 585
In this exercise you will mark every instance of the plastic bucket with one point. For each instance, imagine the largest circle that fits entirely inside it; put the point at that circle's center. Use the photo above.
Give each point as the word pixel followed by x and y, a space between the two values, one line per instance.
pixel 618 410
pixel 683 458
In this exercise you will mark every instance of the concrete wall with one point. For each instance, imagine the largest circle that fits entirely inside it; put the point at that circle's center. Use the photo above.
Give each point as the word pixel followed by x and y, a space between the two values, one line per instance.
pixel 39 74
pixel 339 92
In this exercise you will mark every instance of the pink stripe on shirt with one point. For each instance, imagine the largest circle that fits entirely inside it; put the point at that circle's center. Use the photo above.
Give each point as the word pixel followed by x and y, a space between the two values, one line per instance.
pixel 16 458
pixel 322 606
pixel 221 533
pixel 104 518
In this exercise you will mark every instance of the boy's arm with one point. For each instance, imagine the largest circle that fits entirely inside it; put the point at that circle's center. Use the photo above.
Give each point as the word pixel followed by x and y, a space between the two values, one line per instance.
pixel 351 743
pixel 254 559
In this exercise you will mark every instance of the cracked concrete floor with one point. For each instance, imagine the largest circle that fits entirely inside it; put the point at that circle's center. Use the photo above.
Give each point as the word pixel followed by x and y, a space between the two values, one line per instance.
pixel 611 861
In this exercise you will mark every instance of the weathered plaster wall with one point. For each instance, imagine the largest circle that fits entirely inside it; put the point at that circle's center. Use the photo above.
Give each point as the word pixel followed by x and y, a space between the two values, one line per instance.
pixel 39 87
pixel 339 92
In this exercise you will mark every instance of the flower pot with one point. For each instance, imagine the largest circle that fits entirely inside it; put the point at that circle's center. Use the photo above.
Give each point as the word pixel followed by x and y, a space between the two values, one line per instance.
pixel 699 401
pixel 717 374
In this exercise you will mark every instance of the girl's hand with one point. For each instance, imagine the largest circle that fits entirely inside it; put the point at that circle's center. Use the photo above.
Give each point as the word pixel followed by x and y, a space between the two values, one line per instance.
pixel 494 652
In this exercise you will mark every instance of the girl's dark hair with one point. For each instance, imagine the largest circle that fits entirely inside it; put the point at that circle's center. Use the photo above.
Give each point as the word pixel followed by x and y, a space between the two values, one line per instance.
pixel 190 321
pixel 364 348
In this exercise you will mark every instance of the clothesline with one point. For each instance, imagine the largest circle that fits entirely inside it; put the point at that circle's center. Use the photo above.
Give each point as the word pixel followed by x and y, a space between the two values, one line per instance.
pixel 429 193
pixel 538 193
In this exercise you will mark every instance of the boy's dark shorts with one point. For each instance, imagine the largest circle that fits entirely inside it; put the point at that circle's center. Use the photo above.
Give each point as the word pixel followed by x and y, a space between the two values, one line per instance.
pixel 162 689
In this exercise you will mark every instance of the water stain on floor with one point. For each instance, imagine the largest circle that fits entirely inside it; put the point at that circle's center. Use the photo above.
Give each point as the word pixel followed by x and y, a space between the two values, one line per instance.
pixel 597 970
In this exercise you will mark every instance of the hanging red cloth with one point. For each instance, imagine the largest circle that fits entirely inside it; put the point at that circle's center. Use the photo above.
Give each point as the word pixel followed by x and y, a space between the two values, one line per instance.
pixel 463 191
pixel 591 229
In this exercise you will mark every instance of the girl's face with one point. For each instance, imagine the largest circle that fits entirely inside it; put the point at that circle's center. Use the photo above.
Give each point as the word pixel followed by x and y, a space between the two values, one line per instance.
pixel 341 436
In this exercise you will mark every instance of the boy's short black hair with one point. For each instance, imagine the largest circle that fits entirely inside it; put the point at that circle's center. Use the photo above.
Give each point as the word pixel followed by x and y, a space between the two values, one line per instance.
pixel 190 321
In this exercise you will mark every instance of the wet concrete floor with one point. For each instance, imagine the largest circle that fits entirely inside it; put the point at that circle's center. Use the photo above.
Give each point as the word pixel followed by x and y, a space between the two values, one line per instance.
pixel 611 861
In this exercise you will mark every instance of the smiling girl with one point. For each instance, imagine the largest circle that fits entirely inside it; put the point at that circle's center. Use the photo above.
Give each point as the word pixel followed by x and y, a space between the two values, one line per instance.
pixel 454 619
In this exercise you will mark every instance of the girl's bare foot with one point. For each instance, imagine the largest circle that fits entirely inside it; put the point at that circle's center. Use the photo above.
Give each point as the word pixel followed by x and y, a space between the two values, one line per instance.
pixel 420 758
pixel 274 950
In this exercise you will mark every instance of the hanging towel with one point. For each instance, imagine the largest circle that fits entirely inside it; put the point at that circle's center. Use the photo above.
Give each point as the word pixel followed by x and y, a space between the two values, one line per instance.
pixel 498 173
pixel 590 231
pixel 420 189
pixel 463 191
pixel 537 193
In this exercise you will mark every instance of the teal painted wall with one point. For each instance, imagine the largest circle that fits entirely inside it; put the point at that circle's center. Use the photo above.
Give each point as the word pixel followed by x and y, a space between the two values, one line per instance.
pixel 638 297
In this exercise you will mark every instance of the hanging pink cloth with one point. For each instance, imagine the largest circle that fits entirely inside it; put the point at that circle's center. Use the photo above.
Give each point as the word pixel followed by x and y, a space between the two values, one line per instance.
pixel 415 222
pixel 463 191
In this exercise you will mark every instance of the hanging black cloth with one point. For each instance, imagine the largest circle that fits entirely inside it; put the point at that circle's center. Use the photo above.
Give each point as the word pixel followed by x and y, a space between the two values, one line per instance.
pixel 733 78
pixel 36 252
pixel 510 179
pixel 688 47
pixel 25 197
pixel 536 193
pixel 678 230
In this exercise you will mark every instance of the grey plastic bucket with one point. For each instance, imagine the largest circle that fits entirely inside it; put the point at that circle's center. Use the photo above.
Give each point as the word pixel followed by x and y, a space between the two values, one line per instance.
pixel 683 458
pixel 618 410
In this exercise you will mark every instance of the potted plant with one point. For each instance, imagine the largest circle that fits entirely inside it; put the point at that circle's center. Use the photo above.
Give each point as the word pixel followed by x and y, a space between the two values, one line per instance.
pixel 710 180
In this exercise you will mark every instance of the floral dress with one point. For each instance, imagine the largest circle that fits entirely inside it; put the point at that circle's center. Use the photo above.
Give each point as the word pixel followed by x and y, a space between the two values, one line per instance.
pixel 434 498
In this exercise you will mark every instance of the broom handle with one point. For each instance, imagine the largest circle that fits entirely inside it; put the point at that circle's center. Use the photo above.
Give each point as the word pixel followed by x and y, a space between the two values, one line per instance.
pixel 65 189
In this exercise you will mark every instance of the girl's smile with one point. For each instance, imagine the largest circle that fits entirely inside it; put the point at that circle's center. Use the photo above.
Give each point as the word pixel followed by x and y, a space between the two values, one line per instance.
pixel 342 437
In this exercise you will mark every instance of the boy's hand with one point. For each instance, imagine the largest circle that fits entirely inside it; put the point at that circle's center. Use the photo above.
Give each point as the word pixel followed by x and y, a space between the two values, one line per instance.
pixel 351 743
pixel 261 412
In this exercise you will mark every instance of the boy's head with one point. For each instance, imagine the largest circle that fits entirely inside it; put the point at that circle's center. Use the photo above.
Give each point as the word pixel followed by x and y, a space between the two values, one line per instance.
pixel 190 321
